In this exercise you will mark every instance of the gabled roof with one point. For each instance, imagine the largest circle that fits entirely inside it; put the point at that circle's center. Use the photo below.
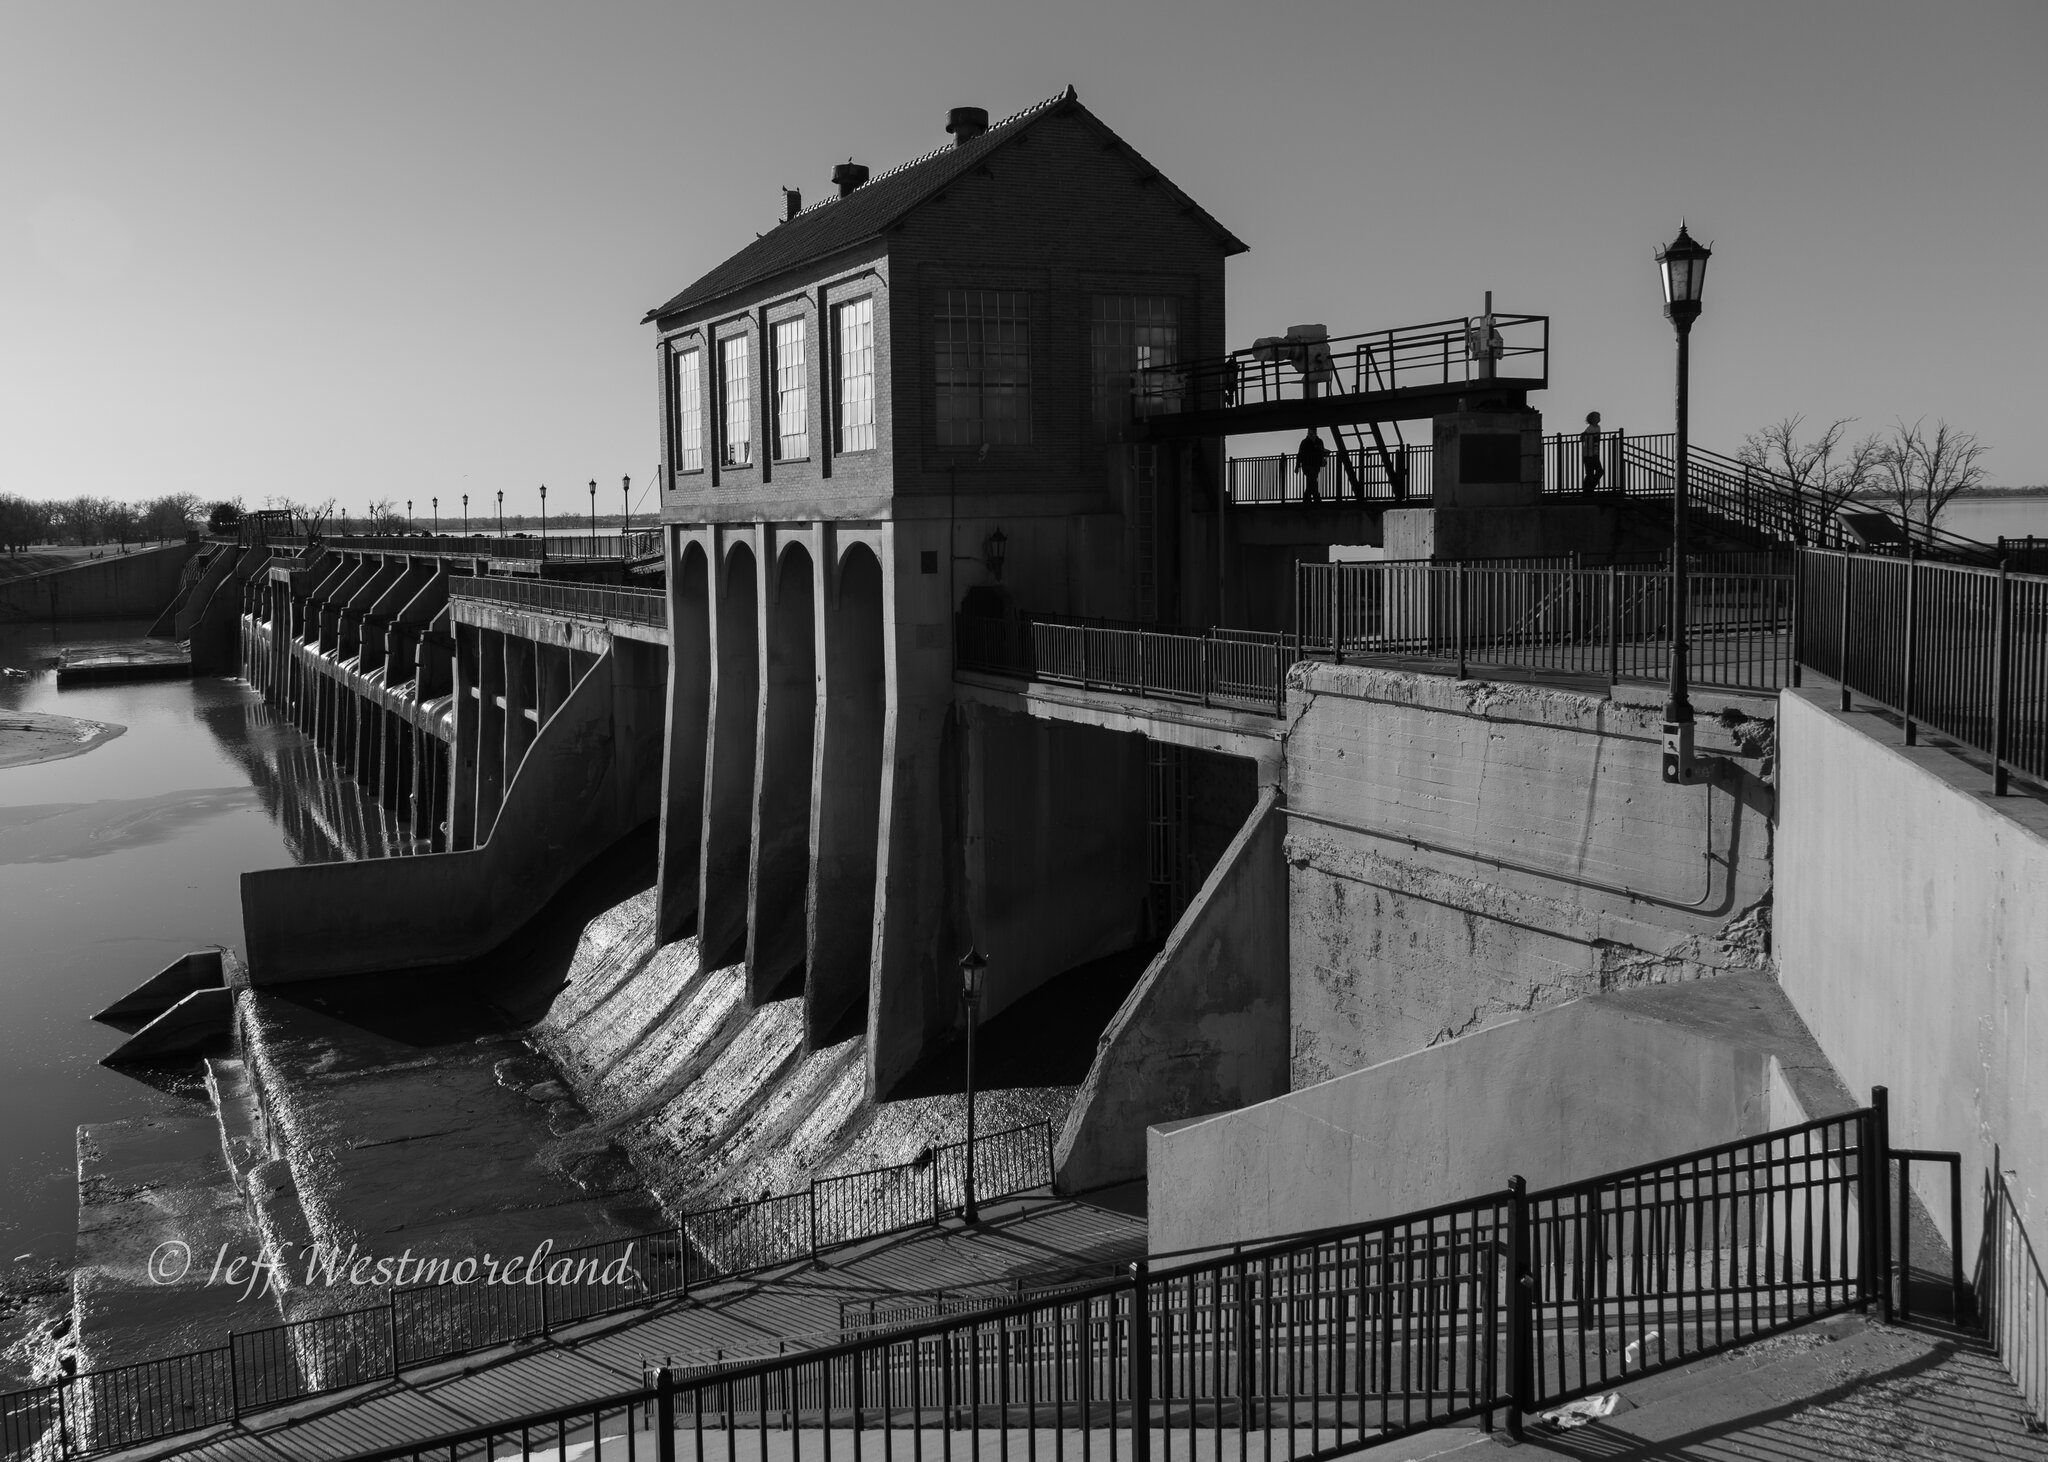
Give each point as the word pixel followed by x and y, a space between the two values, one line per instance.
pixel 827 227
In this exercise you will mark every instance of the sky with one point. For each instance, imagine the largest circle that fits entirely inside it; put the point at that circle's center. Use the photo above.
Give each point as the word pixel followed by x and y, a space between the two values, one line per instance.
pixel 399 251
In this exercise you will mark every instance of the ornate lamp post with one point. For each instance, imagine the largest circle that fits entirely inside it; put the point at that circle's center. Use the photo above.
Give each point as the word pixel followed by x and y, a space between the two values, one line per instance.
pixel 1683 263
pixel 465 515
pixel 973 964
pixel 501 512
pixel 626 492
pixel 543 520
pixel 408 516
pixel 593 510
pixel 437 515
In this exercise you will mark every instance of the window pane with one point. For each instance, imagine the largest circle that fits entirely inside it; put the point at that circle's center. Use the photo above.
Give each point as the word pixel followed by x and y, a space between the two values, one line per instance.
pixel 856 376
pixel 792 400
pixel 737 426
pixel 689 412
pixel 981 360
pixel 1128 333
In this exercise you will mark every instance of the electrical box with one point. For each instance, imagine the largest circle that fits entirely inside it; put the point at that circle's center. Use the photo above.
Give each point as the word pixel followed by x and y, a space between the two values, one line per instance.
pixel 1678 761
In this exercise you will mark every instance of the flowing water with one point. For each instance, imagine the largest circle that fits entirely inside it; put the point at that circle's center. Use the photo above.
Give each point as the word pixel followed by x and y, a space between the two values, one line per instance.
pixel 114 863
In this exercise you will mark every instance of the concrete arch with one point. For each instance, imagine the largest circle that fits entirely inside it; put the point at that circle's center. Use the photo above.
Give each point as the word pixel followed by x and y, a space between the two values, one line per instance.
pixel 729 758
pixel 782 779
pixel 846 818
pixel 684 760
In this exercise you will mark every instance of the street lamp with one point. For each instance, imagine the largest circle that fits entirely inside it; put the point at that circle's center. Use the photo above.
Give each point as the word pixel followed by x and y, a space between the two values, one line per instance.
pixel 593 510
pixel 543 520
pixel 501 512
pixel 408 517
pixel 626 492
pixel 972 966
pixel 465 515
pixel 437 515
pixel 1683 263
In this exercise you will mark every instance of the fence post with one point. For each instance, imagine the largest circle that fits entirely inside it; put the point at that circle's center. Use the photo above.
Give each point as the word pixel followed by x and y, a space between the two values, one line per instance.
pixel 2001 684
pixel 1458 620
pixel 544 1306
pixel 1798 612
pixel 1903 1237
pixel 1336 615
pixel 1842 646
pixel 1881 1140
pixel 391 1315
pixel 1141 1364
pixel 814 1217
pixel 1613 629
pixel 1520 1383
pixel 234 1382
pixel 665 1415
pixel 1912 645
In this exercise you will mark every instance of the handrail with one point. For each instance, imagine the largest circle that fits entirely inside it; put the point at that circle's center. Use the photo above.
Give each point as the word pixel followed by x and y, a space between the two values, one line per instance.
pixel 124 1406
pixel 1505 1302
pixel 1230 669
pixel 558 596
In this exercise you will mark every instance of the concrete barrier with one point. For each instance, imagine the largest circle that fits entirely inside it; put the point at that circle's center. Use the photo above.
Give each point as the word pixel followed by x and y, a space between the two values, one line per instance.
pixel 578 791
pixel 1206 1028
pixel 1912 932
pixel 123 586
pixel 1574 1091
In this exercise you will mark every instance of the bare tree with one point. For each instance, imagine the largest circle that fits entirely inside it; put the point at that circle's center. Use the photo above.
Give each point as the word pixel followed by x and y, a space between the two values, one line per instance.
pixel 23 522
pixel 1920 471
pixel 1826 472
pixel 309 517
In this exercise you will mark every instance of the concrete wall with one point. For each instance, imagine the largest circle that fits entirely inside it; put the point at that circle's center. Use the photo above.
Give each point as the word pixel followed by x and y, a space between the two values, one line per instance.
pixel 591 776
pixel 1206 1028
pixel 1461 850
pixel 1912 923
pixel 1591 1090
pixel 123 586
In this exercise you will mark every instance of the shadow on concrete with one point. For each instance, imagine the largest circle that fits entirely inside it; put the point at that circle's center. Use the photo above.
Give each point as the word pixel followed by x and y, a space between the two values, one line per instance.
pixel 500 992
pixel 1045 1039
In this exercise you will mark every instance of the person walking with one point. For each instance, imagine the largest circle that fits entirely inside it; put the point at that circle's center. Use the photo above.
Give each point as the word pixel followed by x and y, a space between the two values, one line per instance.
pixel 1589 452
pixel 1310 457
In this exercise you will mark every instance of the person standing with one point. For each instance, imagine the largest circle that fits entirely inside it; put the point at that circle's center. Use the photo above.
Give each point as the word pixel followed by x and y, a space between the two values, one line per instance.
pixel 1589 452
pixel 1310 457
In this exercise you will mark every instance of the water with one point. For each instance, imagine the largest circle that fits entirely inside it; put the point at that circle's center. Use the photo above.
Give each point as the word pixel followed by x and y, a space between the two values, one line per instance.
pixel 114 863
pixel 1987 519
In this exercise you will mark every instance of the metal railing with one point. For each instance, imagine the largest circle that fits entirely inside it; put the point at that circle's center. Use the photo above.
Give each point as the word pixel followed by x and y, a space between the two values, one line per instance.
pixel 1413 356
pixel 456 1313
pixel 1315 1345
pixel 1959 650
pixel 641 544
pixel 556 596
pixel 1611 622
pixel 1234 669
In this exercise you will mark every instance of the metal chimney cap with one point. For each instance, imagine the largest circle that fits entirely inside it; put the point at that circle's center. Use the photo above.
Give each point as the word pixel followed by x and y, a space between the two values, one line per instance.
pixel 966 123
pixel 849 175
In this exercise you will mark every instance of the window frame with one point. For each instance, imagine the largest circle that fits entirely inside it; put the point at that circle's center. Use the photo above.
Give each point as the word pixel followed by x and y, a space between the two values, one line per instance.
pixel 974 345
pixel 777 368
pixel 687 411
pixel 727 415
pixel 1106 415
pixel 840 376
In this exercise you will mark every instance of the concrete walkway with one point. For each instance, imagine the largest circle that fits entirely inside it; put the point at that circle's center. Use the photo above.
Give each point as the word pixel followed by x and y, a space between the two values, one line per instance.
pixel 1032 1238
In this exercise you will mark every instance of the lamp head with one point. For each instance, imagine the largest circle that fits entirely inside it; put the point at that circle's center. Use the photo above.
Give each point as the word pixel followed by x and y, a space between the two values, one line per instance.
pixel 1683 263
pixel 972 966
pixel 995 552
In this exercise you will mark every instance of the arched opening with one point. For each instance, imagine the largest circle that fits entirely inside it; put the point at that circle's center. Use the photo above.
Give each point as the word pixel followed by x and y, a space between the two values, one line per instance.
pixel 729 765
pixel 782 796
pixel 683 748
pixel 842 902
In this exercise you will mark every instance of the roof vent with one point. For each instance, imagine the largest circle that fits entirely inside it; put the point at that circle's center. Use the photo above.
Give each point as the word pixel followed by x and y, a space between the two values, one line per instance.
pixel 792 204
pixel 849 175
pixel 966 123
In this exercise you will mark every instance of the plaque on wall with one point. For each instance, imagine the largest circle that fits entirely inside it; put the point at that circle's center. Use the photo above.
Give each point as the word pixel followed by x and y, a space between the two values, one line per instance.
pixel 1490 457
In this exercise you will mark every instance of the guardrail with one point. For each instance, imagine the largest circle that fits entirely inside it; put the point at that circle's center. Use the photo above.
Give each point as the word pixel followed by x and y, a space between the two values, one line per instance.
pixel 1314 1345
pixel 642 544
pixel 1234 669
pixel 453 1314
pixel 1960 650
pixel 1431 354
pixel 556 596
pixel 1609 622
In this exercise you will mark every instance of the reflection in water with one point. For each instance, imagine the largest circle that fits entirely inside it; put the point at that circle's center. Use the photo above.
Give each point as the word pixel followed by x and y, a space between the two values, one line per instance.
pixel 325 816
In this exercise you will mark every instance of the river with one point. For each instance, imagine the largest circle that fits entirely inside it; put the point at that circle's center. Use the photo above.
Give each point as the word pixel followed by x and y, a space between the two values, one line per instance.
pixel 112 864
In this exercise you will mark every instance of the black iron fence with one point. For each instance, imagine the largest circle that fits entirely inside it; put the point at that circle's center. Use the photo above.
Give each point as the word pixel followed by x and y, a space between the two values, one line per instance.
pixel 556 596
pixel 1960 650
pixel 460 1310
pixel 1236 669
pixel 1315 1345
pixel 639 545
pixel 1610 622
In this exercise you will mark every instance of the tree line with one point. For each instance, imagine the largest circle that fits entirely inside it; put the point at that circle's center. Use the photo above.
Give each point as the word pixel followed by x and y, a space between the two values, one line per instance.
pixel 90 521
pixel 1912 472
